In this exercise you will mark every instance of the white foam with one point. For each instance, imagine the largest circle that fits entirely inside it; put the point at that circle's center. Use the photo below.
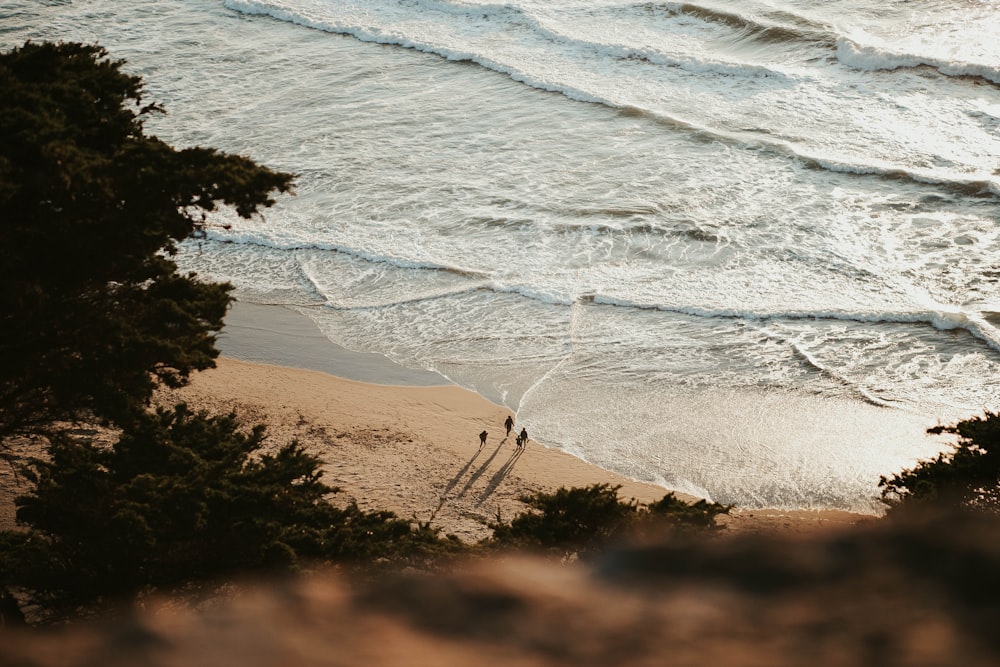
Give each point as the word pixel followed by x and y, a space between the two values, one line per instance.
pixel 872 57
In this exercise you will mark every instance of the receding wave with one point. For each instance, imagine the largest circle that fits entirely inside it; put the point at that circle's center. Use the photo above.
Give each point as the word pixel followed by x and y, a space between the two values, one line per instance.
pixel 943 319
pixel 874 58
pixel 802 353
pixel 499 19
pixel 791 28
pixel 431 295
pixel 262 241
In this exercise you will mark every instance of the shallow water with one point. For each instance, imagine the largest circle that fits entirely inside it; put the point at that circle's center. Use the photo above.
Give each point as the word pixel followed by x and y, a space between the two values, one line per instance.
pixel 747 250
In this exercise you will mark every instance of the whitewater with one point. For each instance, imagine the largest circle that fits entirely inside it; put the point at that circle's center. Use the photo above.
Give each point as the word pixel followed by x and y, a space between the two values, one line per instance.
pixel 745 250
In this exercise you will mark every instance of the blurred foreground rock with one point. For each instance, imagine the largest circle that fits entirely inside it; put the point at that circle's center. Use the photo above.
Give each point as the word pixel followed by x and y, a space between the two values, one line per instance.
pixel 917 592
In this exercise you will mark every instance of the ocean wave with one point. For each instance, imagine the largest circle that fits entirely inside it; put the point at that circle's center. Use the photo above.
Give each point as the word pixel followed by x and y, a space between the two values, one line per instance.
pixel 478 280
pixel 787 27
pixel 501 18
pixel 658 57
pixel 850 50
pixel 393 38
pixel 494 19
pixel 978 324
pixel 263 241
pixel 968 185
pixel 941 318
pixel 980 185
pixel 873 58
pixel 686 231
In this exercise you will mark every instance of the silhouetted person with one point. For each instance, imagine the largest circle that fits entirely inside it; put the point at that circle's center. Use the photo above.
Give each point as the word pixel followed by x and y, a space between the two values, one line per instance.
pixel 482 439
pixel 509 424
pixel 524 437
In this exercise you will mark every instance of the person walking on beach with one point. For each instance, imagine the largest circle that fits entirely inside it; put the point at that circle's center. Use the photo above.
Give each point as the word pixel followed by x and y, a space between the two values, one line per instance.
pixel 482 439
pixel 509 424
pixel 523 437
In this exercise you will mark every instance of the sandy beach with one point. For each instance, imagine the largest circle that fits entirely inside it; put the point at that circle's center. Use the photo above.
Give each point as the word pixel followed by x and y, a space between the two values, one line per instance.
pixel 393 438
pixel 397 439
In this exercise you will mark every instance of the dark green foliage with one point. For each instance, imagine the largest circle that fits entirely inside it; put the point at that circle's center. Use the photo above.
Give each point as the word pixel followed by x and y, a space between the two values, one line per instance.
pixel 583 520
pixel 569 519
pixel 699 515
pixel 966 477
pixel 184 497
pixel 93 313
pixel 94 316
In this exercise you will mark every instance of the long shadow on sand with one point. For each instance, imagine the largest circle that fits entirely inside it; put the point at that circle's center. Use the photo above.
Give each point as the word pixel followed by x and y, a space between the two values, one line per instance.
pixel 454 481
pixel 482 469
pixel 499 476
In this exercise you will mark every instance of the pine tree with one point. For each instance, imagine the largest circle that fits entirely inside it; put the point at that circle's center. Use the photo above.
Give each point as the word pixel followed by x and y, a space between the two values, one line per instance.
pixel 93 312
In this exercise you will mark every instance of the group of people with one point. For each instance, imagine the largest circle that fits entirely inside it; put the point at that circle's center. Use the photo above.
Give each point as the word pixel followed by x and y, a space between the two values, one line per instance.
pixel 521 440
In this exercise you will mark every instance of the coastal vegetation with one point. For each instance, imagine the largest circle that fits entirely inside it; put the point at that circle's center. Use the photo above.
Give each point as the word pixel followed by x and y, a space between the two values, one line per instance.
pixel 585 520
pixel 965 477
pixel 182 497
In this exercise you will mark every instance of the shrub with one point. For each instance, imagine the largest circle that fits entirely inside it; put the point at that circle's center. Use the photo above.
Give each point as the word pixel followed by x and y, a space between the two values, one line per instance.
pixel 184 497
pixel 582 520
pixel 965 477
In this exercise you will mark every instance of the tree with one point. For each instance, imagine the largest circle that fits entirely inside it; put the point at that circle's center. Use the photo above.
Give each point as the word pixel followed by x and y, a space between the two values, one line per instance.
pixel 699 515
pixel 94 315
pixel 965 477
pixel 184 497
pixel 583 520
pixel 93 312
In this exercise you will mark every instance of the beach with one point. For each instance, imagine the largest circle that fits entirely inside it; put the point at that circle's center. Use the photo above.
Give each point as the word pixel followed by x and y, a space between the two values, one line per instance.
pixel 748 255
pixel 402 440
pixel 785 588
pixel 396 439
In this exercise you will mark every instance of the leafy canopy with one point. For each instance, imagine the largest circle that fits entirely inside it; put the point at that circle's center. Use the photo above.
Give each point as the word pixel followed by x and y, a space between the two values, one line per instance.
pixel 965 477
pixel 184 497
pixel 93 312
pixel 582 520
pixel 94 316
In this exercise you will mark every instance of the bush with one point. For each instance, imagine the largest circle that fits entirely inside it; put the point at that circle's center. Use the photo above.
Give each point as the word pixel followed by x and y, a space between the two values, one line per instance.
pixel 184 497
pixel 94 314
pixel 966 477
pixel 582 520
pixel 699 515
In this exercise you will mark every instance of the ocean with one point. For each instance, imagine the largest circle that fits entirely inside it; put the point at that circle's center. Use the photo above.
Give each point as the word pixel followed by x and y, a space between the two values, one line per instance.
pixel 745 250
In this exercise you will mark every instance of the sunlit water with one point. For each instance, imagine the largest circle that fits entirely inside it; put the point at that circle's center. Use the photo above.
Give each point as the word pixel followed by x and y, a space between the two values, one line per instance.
pixel 745 250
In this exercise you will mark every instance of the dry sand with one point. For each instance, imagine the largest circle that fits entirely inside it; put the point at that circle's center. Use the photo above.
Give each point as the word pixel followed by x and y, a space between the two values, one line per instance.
pixel 415 450
pixel 395 441
pixel 412 450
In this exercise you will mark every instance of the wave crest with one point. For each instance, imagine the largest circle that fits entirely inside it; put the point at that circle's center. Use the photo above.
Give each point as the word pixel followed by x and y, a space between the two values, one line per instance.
pixel 873 58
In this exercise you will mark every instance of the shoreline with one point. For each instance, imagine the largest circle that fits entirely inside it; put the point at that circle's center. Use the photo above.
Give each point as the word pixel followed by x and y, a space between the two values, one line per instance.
pixel 280 339
pixel 414 450
pixel 278 335
pixel 400 440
